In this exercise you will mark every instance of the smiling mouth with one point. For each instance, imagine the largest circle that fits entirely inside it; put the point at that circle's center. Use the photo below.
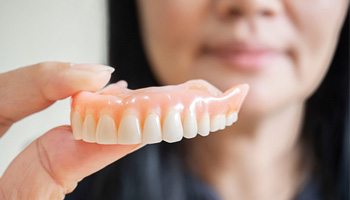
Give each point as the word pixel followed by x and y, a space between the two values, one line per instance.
pixel 246 57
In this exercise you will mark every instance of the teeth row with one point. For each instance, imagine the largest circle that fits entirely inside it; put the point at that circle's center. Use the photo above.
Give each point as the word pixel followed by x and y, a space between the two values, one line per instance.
pixel 130 132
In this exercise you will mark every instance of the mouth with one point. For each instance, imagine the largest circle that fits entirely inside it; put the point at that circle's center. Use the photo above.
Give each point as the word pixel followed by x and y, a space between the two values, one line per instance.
pixel 245 56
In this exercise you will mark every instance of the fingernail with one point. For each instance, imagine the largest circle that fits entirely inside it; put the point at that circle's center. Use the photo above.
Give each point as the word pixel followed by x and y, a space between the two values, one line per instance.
pixel 92 67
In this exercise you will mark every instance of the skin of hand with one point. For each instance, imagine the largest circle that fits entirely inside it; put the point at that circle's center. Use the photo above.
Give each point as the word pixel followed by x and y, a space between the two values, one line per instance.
pixel 53 164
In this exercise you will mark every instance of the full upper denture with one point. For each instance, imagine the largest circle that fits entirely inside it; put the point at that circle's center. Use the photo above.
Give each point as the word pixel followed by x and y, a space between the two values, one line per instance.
pixel 118 115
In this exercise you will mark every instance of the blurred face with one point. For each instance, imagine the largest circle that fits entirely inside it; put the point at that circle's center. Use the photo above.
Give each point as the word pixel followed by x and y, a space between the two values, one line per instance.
pixel 281 48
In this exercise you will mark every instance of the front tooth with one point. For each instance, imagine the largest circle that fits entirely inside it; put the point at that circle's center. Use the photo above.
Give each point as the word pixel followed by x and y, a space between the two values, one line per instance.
pixel 129 131
pixel 172 127
pixel 77 125
pixel 231 118
pixel 152 132
pixel 106 132
pixel 204 125
pixel 89 128
pixel 190 125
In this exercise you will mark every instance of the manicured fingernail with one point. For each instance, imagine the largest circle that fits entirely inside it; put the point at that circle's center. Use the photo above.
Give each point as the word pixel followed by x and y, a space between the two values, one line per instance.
pixel 92 67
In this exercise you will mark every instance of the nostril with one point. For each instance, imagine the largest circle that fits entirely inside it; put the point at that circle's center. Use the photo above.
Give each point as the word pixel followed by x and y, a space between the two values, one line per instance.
pixel 266 13
pixel 235 12
pixel 228 9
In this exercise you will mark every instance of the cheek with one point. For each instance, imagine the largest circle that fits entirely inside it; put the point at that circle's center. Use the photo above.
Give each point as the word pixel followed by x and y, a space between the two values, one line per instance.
pixel 171 32
pixel 317 23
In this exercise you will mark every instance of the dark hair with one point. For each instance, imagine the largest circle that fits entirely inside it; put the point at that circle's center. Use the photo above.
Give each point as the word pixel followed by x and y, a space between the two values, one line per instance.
pixel 156 171
pixel 326 125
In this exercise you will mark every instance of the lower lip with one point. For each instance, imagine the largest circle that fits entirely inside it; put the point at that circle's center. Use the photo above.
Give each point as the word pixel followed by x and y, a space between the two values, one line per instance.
pixel 248 60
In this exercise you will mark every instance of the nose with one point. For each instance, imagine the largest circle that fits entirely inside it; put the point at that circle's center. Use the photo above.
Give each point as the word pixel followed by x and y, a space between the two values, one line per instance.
pixel 247 8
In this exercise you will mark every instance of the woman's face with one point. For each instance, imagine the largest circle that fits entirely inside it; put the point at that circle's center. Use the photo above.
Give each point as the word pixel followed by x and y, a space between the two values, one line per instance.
pixel 281 48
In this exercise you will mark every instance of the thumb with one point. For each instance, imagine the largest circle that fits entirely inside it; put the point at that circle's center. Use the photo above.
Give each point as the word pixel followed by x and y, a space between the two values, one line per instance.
pixel 30 89
pixel 54 163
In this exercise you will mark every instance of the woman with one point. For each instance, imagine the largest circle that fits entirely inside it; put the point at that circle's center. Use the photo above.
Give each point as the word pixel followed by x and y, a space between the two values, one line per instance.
pixel 170 32
pixel 289 142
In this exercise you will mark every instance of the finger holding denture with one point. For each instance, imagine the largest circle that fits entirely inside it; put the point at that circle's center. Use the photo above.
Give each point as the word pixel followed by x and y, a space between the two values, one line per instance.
pixel 118 115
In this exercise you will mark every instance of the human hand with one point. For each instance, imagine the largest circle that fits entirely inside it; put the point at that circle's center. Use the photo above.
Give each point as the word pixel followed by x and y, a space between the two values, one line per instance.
pixel 52 165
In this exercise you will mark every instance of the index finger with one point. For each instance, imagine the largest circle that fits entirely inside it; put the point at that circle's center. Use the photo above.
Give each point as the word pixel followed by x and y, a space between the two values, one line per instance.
pixel 30 89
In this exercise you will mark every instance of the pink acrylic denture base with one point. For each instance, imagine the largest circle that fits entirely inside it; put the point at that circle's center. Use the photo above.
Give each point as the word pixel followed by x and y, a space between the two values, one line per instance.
pixel 196 96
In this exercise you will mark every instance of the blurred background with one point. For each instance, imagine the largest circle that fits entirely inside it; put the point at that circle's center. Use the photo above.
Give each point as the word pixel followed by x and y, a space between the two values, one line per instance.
pixel 40 30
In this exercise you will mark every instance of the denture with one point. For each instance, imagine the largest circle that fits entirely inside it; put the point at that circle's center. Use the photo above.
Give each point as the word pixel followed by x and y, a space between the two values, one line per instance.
pixel 118 115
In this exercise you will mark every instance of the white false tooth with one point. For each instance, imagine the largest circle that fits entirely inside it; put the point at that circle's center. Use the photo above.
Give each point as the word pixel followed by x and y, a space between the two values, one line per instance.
pixel 215 123
pixel 204 125
pixel 152 132
pixel 231 118
pixel 222 121
pixel 106 132
pixel 190 125
pixel 129 131
pixel 172 127
pixel 89 129
pixel 77 125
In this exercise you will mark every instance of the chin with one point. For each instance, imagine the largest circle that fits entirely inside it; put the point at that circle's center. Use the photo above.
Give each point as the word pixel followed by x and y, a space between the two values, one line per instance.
pixel 253 109
pixel 260 105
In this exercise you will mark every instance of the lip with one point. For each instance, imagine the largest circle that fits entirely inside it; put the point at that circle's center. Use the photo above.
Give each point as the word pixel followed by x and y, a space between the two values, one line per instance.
pixel 245 56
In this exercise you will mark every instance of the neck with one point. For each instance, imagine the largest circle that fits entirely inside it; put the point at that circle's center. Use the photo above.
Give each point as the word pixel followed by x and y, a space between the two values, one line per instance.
pixel 250 159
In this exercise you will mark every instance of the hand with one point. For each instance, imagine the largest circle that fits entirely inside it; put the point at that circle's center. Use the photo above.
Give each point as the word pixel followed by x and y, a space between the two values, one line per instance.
pixel 52 165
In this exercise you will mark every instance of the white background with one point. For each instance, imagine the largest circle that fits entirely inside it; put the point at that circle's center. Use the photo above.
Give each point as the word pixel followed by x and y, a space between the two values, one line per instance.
pixel 41 30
